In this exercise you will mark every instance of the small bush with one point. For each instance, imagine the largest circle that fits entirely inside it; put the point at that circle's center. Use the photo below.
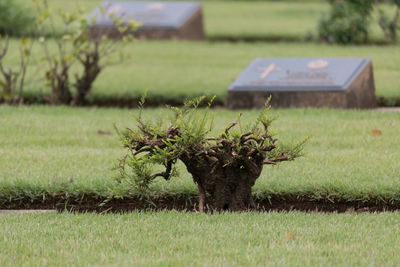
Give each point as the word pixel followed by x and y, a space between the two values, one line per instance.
pixel 347 22
pixel 75 47
pixel 12 78
pixel 390 26
pixel 15 19
pixel 225 167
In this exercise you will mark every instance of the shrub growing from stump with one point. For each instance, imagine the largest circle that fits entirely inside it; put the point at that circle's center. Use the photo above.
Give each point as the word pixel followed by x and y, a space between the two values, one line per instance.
pixel 225 167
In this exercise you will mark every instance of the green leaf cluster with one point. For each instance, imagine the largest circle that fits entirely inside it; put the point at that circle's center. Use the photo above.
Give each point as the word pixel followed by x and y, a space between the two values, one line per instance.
pixel 15 19
pixel 161 142
pixel 348 21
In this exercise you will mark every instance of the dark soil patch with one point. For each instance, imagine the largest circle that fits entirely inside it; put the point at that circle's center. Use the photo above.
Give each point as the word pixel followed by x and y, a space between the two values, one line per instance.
pixel 158 101
pixel 126 101
pixel 388 102
pixel 258 39
pixel 286 39
pixel 189 202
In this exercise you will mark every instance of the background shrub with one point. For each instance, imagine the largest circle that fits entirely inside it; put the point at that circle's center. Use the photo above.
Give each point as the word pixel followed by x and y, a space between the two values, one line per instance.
pixel 15 19
pixel 347 22
pixel 390 25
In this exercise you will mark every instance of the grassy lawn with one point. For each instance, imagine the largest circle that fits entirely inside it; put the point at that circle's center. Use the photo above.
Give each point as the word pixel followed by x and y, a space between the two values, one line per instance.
pixel 240 19
pixel 52 151
pixel 269 20
pixel 175 70
pixel 58 149
pixel 182 239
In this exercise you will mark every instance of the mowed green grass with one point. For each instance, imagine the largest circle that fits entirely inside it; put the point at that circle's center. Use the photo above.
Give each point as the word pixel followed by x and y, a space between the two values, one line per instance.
pixel 175 70
pixel 268 20
pixel 241 19
pixel 189 239
pixel 58 149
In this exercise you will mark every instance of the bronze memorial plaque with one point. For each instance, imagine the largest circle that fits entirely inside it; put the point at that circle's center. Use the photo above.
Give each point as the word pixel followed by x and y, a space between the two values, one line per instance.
pixel 160 20
pixel 305 82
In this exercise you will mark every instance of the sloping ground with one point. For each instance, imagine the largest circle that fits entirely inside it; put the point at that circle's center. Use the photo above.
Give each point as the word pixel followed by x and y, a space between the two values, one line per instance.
pixel 63 157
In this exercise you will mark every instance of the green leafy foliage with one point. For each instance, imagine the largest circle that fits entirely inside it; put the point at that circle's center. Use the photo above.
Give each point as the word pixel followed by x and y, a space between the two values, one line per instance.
pixel 225 166
pixel 15 19
pixel 12 79
pixel 347 22
pixel 390 26
pixel 138 169
pixel 76 46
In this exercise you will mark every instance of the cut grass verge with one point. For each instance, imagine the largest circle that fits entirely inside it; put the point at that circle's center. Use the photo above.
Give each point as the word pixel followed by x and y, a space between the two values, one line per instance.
pixel 182 239
pixel 249 20
pixel 50 153
pixel 174 71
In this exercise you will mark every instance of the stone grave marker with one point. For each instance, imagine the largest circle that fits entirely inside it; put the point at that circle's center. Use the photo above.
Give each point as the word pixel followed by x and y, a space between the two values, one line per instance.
pixel 305 82
pixel 160 20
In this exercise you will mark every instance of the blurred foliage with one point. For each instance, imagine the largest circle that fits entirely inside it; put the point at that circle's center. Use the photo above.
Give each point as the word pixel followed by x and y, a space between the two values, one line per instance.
pixel 15 19
pixel 347 22
pixel 77 45
pixel 389 25
pixel 12 78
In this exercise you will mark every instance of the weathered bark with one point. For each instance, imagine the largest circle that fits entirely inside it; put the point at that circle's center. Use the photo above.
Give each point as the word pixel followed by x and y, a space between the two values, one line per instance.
pixel 59 81
pixel 229 187
pixel 63 93
pixel 91 69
